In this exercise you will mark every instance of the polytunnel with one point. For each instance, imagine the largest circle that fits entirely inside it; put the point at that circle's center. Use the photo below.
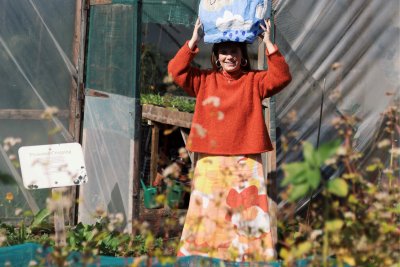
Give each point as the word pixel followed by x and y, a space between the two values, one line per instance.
pixel 73 71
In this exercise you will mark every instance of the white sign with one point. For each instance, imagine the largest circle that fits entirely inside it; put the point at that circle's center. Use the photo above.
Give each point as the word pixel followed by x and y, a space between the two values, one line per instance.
pixel 49 166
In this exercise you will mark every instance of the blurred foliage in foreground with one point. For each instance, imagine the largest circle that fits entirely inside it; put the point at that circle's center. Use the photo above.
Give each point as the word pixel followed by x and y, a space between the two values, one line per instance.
pixel 354 219
pixel 356 215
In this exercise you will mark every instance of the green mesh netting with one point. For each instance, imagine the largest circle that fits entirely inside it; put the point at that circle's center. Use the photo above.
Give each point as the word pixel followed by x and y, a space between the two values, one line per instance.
pixel 110 49
pixel 110 64
pixel 183 12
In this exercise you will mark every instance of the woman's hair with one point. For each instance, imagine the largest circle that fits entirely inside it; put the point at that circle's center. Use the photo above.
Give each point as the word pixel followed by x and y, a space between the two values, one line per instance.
pixel 242 47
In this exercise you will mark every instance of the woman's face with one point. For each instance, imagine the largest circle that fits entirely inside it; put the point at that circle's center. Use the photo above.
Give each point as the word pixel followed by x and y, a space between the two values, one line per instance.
pixel 230 57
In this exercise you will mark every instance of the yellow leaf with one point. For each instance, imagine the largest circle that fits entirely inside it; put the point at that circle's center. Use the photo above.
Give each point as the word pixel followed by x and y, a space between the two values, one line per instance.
pixel 149 241
pixel 297 235
pixel 284 253
pixel 338 186
pixel 333 225
pixel 349 260
pixel 352 199
pixel 170 131
pixel 303 248
pixel 160 198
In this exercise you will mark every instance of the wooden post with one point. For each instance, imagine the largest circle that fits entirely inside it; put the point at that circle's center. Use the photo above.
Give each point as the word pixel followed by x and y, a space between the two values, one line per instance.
pixel 137 111
pixel 155 137
pixel 75 96
pixel 272 132
pixel 265 102
pixel 59 220
pixel 269 158
pixel 76 92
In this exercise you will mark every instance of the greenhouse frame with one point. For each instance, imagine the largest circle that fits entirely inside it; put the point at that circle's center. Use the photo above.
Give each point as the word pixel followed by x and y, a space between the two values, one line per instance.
pixel 75 71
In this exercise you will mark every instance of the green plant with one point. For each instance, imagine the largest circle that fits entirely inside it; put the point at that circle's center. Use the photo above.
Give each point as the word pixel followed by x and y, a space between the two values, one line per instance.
pixel 353 219
pixel 180 103
pixel 305 176
pixel 35 231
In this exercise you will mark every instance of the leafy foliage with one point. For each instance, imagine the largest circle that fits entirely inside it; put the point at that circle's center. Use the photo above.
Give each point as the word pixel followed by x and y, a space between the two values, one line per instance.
pixel 101 238
pixel 354 218
pixel 180 103
pixel 38 230
pixel 305 176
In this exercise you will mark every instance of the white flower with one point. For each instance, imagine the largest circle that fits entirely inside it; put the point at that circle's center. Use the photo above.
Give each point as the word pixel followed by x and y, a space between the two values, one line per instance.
pixel 182 220
pixel 51 204
pixel 200 130
pixel 49 112
pixel 395 151
pixel 110 227
pixel 336 65
pixel 315 234
pixel 342 151
pixel 220 115
pixel 214 100
pixel 3 239
pixel 119 217
pixel 172 170
pixel 6 147
pixel 350 215
pixel 384 143
pixel 330 161
pixel 388 171
pixel 335 95
pixel 11 141
pixel 183 153
pixel 18 211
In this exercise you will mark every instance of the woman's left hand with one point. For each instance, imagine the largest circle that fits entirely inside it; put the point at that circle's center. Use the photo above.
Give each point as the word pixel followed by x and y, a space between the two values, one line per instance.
pixel 267 31
pixel 267 36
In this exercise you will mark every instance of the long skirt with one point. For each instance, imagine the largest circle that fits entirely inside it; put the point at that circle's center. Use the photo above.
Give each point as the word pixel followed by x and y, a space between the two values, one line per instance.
pixel 228 216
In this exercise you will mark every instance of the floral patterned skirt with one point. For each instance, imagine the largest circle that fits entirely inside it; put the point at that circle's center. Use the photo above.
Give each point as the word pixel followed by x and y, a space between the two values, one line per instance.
pixel 228 216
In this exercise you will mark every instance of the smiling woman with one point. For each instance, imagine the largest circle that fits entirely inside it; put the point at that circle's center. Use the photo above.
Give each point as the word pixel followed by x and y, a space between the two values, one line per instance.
pixel 230 57
pixel 228 215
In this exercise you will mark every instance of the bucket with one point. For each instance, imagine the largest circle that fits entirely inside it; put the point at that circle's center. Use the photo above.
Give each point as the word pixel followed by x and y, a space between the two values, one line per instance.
pixel 150 194
pixel 233 20
pixel 174 194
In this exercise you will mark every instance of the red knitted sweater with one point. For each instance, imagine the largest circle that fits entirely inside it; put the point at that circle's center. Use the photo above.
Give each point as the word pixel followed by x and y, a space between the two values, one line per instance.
pixel 228 117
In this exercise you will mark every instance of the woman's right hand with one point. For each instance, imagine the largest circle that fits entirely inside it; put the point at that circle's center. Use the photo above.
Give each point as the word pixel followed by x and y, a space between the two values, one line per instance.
pixel 197 34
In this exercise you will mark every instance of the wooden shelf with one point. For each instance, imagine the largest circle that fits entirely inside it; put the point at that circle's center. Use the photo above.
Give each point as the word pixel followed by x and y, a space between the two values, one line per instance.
pixel 167 116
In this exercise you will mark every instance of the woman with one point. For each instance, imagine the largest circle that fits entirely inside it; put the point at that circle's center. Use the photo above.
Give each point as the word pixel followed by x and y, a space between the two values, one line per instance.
pixel 228 211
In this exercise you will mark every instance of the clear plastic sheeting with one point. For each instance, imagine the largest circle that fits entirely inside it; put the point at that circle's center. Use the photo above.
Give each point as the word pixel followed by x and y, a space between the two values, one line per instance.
pixel 35 52
pixel 36 72
pixel 108 144
pixel 349 52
